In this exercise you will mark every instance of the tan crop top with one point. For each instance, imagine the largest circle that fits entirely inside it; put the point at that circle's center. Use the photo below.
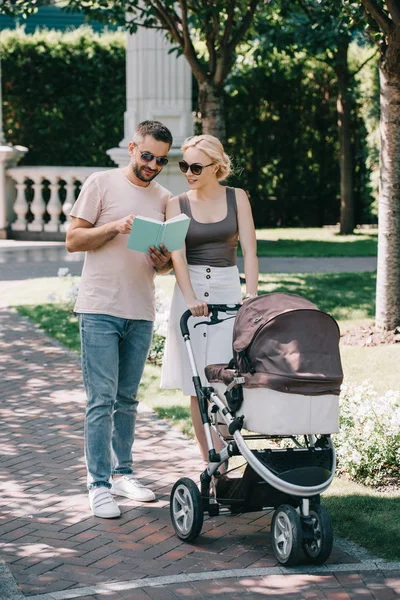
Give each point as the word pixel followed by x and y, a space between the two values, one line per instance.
pixel 213 244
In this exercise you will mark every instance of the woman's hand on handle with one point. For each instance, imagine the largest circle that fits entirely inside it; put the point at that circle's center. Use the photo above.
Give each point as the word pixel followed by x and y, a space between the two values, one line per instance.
pixel 197 307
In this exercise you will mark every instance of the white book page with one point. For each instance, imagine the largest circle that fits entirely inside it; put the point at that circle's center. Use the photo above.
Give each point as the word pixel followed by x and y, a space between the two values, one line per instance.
pixel 148 219
pixel 181 217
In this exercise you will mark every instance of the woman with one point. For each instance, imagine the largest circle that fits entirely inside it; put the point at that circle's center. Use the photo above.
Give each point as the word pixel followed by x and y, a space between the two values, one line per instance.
pixel 205 269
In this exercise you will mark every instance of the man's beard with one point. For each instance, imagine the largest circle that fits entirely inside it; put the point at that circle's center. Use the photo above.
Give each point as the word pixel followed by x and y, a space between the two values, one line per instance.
pixel 137 171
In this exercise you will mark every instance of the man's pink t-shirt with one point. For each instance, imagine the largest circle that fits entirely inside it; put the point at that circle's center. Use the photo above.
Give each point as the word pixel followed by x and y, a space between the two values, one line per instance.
pixel 115 280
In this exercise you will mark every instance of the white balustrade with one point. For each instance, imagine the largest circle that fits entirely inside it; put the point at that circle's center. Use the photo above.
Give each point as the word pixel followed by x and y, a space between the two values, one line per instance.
pixel 69 200
pixel 20 205
pixel 38 205
pixel 60 179
pixel 54 207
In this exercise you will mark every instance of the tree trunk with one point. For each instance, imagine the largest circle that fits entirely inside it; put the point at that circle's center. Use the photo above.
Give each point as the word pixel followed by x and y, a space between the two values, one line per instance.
pixel 388 275
pixel 344 129
pixel 323 116
pixel 211 104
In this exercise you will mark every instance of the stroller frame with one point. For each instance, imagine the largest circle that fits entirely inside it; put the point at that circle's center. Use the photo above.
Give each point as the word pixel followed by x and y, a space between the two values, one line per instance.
pixel 300 524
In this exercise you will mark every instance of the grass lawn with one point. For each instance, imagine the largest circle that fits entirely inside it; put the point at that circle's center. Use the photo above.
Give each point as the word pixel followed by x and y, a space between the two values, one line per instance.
pixel 34 291
pixel 348 297
pixel 376 363
pixel 60 323
pixel 365 516
pixel 319 242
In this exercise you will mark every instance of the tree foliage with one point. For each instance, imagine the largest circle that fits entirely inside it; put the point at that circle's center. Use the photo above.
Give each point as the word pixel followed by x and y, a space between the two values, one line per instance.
pixel 284 92
pixel 325 31
pixel 280 110
pixel 57 95
pixel 282 135
pixel 219 25
pixel 381 21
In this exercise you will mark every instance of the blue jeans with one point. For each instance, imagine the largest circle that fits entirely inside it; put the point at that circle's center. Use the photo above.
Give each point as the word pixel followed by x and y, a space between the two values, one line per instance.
pixel 114 353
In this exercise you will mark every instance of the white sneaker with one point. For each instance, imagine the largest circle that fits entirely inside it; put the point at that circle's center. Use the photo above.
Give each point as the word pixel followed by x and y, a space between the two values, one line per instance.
pixel 130 487
pixel 103 504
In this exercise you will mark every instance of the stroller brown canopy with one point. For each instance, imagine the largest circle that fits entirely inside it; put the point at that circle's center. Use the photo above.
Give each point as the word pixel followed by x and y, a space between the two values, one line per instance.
pixel 284 342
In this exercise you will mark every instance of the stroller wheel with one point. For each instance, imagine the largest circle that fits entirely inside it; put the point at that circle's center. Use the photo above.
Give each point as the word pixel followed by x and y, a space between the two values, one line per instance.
pixel 186 509
pixel 286 534
pixel 319 549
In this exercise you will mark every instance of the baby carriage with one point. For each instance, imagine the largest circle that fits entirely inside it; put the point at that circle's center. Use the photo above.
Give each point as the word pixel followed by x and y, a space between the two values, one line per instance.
pixel 281 388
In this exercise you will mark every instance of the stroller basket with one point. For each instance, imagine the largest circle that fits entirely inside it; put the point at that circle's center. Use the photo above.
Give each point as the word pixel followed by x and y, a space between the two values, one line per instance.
pixel 299 466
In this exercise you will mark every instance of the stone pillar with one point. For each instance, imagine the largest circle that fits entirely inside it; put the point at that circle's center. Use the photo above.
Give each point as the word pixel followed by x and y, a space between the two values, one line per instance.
pixel 159 87
pixel 9 156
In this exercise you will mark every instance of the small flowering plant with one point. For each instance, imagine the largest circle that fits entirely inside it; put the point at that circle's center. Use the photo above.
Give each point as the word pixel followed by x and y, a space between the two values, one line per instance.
pixel 160 328
pixel 162 313
pixel 368 444
pixel 69 297
pixel 156 353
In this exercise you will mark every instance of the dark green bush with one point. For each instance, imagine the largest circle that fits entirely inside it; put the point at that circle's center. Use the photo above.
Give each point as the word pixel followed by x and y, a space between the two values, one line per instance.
pixel 64 98
pixel 63 95
pixel 283 138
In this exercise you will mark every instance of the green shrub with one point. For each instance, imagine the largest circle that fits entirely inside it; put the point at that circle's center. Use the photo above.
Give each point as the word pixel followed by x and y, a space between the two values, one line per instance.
pixel 64 98
pixel 283 137
pixel 368 444
pixel 66 303
pixel 156 352
pixel 64 94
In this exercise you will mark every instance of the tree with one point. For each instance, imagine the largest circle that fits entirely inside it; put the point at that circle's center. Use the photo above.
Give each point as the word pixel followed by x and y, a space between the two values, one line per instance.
pixel 384 29
pixel 282 130
pixel 325 29
pixel 215 26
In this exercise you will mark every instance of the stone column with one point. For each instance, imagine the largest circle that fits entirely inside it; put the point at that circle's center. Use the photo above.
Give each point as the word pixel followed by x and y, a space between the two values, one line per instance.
pixel 9 156
pixel 159 87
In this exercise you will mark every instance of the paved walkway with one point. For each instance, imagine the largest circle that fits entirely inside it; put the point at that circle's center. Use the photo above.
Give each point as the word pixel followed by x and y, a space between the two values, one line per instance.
pixel 55 549
pixel 27 260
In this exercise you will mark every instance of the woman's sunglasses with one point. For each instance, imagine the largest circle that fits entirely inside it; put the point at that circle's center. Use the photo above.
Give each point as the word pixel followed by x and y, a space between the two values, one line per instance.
pixel 196 168
pixel 147 157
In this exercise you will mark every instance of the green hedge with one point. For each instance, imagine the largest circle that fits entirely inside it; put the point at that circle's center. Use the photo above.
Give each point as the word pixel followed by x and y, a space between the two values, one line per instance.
pixel 64 98
pixel 283 135
pixel 63 94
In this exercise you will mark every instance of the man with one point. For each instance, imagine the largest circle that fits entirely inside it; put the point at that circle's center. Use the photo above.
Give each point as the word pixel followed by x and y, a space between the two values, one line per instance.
pixel 116 310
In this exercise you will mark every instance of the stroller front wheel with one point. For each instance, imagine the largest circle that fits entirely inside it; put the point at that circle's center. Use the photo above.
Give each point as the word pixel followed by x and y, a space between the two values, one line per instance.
pixel 286 534
pixel 186 509
pixel 319 549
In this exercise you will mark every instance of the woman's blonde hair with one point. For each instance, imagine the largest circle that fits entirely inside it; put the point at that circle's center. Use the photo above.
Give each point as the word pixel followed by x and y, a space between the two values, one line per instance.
pixel 211 146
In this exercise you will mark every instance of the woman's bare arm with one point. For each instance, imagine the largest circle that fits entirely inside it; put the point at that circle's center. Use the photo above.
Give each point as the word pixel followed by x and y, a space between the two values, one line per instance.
pixel 181 271
pixel 248 242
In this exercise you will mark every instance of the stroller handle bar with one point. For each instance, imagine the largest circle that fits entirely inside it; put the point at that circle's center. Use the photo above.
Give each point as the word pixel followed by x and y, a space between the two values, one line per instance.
pixel 214 309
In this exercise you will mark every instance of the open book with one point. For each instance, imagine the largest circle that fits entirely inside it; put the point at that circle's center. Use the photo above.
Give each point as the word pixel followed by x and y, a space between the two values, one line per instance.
pixel 150 232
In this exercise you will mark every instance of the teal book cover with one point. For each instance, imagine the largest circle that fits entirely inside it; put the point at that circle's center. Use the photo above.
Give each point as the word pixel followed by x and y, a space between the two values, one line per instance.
pixel 149 232
pixel 144 233
pixel 174 232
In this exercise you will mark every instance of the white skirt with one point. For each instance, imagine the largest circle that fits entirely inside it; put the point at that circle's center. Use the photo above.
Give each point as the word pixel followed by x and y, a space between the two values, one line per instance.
pixel 210 343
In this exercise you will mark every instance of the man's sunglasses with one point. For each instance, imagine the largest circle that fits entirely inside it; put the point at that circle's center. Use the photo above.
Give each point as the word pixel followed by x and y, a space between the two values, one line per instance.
pixel 196 168
pixel 147 157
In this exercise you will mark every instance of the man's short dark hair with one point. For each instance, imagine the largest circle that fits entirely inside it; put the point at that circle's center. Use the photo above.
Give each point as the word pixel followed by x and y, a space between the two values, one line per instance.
pixel 154 128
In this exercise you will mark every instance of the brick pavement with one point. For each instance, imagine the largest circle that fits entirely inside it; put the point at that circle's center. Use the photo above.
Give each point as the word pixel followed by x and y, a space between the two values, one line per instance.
pixel 55 549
